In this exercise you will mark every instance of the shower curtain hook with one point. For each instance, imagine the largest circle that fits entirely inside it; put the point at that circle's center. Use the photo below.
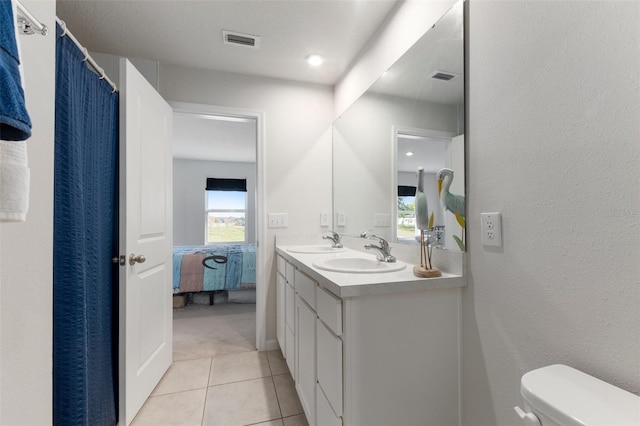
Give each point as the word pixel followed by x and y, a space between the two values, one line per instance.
pixel 64 28
pixel 86 54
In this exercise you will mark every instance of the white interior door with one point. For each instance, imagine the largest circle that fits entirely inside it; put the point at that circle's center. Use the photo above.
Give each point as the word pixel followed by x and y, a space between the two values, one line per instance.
pixel 145 230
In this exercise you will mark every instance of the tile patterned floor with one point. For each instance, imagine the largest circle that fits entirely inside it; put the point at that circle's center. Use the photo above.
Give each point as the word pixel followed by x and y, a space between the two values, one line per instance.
pixel 224 389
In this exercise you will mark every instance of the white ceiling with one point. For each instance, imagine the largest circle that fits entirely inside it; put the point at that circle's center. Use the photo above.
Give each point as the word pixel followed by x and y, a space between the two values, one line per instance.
pixel 213 138
pixel 428 153
pixel 189 33
pixel 410 76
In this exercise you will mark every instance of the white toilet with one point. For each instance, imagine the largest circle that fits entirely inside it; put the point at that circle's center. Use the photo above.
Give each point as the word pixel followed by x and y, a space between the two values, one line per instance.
pixel 558 395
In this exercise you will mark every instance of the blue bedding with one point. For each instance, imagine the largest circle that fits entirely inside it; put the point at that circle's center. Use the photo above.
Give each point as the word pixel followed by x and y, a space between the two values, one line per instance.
pixel 214 267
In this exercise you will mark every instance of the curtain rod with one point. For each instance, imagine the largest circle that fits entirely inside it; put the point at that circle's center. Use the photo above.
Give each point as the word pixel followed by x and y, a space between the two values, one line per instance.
pixel 28 22
pixel 87 57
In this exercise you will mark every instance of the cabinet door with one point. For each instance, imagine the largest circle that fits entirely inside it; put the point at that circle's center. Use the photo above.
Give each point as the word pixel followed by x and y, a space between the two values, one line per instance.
pixel 326 416
pixel 329 364
pixel 290 354
pixel 290 303
pixel 306 358
pixel 280 314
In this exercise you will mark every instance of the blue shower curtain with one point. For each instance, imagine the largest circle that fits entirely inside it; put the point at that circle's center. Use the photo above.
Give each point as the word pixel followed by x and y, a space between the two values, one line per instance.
pixel 85 240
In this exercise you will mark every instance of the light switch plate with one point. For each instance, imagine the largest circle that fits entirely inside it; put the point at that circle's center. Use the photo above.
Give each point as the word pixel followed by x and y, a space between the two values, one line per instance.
pixel 324 218
pixel 341 218
pixel 278 220
pixel 382 220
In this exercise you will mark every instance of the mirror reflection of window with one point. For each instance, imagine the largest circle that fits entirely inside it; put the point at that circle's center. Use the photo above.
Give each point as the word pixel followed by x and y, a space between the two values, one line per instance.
pixel 406 220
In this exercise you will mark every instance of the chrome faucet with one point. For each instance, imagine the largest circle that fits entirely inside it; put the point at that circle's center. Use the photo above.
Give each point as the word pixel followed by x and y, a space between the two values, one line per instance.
pixel 335 239
pixel 384 251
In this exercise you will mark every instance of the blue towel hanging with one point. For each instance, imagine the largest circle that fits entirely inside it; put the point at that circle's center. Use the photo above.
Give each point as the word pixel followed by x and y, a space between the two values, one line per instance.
pixel 15 124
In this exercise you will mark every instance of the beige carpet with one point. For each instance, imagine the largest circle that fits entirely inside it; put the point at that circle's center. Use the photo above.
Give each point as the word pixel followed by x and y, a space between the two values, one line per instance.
pixel 201 331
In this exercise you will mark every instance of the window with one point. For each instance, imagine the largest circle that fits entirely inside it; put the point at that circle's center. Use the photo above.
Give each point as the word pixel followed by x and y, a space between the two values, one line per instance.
pixel 226 206
pixel 406 220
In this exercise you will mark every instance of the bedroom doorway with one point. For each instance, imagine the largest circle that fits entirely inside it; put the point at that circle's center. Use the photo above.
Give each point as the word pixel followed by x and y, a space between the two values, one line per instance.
pixel 217 200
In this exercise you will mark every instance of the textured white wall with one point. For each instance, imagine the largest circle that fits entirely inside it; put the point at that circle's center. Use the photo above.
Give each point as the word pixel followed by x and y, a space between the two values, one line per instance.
pixel 297 146
pixel 26 249
pixel 553 143
pixel 189 179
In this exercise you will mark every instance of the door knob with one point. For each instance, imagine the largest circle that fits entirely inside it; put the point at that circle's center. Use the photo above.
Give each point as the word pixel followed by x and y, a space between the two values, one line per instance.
pixel 133 259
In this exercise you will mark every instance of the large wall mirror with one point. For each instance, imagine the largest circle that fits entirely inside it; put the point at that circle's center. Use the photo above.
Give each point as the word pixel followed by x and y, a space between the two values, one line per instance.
pixel 411 117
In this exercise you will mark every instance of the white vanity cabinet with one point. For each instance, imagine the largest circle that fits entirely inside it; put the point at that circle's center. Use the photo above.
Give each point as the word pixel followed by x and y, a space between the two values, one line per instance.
pixel 286 311
pixel 373 353
pixel 318 352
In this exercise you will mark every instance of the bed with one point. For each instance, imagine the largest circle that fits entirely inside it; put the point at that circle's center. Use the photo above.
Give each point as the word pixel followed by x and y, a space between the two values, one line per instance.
pixel 214 267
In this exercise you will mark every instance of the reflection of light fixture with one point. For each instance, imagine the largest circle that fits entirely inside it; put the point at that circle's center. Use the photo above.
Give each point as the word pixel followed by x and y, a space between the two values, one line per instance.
pixel 412 137
pixel 215 117
pixel 409 154
pixel 315 60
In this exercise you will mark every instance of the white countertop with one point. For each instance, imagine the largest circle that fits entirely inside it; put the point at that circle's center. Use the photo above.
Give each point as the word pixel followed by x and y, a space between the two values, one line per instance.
pixel 344 284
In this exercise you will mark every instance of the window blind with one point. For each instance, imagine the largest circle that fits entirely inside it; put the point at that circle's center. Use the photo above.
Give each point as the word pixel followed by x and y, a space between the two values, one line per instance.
pixel 216 184
pixel 406 191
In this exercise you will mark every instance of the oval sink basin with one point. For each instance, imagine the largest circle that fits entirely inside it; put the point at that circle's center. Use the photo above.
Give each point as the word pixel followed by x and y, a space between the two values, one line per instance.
pixel 315 249
pixel 357 265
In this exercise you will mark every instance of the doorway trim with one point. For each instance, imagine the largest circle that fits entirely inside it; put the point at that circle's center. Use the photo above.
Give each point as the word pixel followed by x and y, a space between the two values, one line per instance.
pixel 261 255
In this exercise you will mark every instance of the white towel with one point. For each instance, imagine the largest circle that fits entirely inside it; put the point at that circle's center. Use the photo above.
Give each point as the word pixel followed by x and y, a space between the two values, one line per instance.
pixel 14 181
pixel 14 170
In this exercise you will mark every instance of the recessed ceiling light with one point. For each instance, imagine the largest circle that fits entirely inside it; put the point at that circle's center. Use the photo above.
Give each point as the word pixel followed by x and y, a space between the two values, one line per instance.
pixel 315 60
pixel 409 154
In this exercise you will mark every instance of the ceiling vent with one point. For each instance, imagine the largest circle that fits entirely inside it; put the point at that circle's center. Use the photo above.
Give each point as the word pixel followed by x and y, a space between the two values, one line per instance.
pixel 240 39
pixel 443 75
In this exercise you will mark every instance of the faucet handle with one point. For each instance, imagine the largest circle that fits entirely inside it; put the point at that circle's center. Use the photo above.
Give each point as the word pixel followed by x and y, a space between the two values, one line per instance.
pixel 335 238
pixel 366 234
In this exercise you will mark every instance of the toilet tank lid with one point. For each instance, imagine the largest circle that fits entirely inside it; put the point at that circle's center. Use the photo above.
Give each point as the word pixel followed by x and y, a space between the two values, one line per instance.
pixel 573 398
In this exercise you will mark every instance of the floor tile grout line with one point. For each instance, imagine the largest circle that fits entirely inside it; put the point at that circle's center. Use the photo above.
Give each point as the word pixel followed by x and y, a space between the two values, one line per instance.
pixel 268 363
pixel 275 389
pixel 176 392
pixel 204 406
pixel 206 392
pixel 240 381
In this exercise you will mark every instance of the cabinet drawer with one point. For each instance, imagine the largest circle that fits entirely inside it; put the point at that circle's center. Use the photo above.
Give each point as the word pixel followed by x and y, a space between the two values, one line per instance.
pixel 329 308
pixel 306 288
pixel 290 299
pixel 325 416
pixel 329 364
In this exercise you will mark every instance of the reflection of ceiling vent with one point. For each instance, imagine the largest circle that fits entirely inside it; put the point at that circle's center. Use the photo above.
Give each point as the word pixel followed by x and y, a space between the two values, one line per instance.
pixel 246 40
pixel 443 75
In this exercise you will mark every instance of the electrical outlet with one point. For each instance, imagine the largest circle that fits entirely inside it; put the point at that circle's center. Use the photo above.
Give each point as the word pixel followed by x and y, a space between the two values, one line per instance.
pixel 491 227
pixel 278 220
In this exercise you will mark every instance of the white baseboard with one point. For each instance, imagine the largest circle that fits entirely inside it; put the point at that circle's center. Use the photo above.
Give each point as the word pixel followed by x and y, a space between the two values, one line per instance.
pixel 272 345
